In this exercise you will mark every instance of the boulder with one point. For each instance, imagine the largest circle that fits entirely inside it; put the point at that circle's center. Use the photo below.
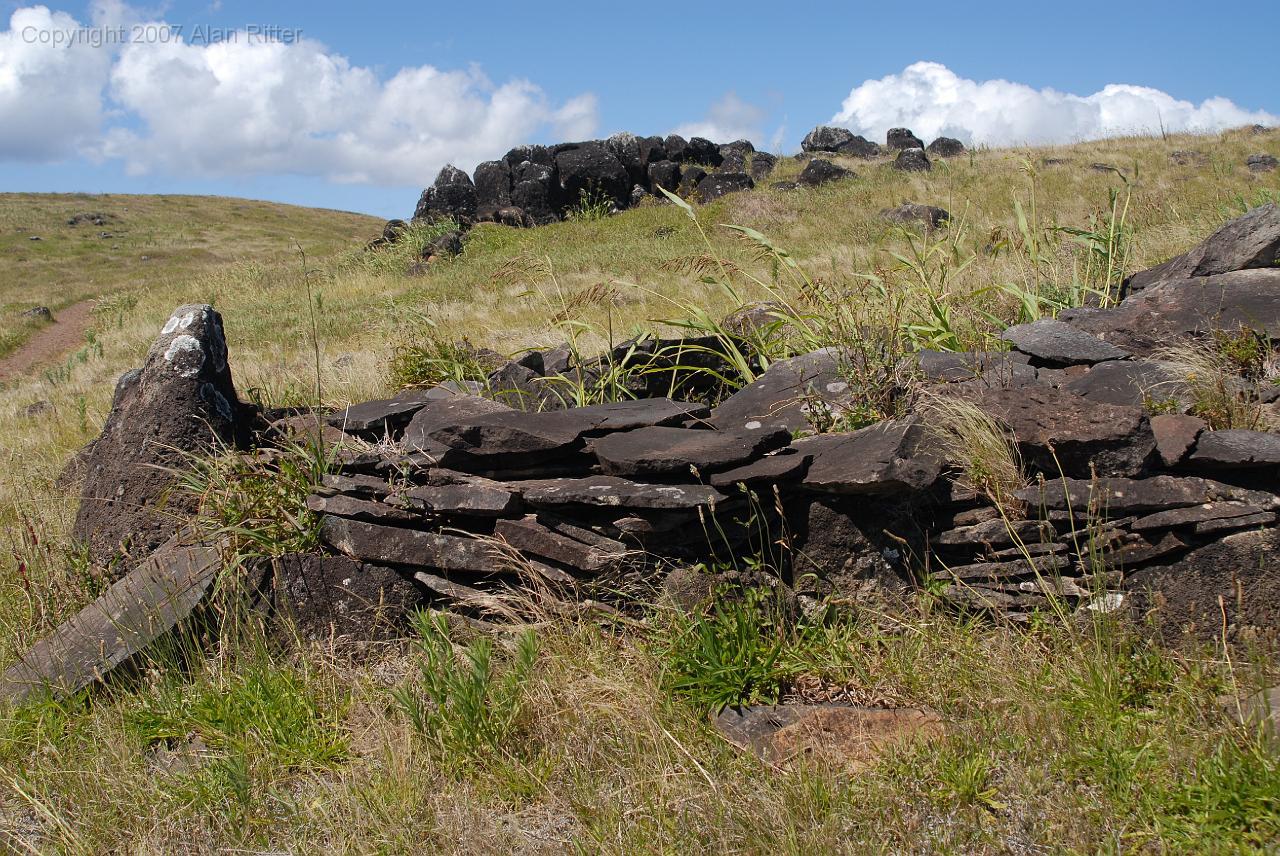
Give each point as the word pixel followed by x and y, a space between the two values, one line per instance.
pixel 902 138
pixel 1227 588
pixel 659 452
pixel 533 191
pixel 733 156
pixel 625 147
pixel 676 148
pixel 826 138
pixel 718 184
pixel 180 403
pixel 912 160
pixel 762 163
pixel 885 459
pixel 821 171
pixel 1250 241
pixel 691 176
pixel 453 196
pixel 528 154
pixel 392 232
pixel 665 174
pixel 444 246
pixel 1261 163
pixel 493 184
pixel 931 216
pixel 945 147
pixel 591 170
pixel 1180 309
pixel 1064 434
pixel 335 597
pixel 703 152
pixel 1050 342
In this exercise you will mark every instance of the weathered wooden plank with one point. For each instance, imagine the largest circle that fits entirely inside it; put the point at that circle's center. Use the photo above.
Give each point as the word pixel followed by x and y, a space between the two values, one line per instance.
pixel 148 602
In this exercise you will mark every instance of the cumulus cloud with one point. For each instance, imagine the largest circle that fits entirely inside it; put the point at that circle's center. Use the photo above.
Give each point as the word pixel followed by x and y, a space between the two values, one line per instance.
pixel 728 119
pixel 252 105
pixel 933 101
pixel 50 95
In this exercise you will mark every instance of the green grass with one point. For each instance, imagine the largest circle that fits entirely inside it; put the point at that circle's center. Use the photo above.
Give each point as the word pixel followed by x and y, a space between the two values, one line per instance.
pixel 1061 737
pixel 154 241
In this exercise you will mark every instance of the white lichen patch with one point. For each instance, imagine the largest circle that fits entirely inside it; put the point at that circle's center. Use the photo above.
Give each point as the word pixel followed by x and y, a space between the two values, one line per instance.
pixel 178 322
pixel 186 354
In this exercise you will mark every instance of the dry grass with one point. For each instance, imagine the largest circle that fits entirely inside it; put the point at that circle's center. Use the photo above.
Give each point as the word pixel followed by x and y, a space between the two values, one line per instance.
pixel 1058 745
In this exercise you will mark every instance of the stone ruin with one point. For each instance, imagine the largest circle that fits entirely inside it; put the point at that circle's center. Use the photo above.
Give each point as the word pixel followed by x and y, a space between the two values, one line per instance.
pixel 452 495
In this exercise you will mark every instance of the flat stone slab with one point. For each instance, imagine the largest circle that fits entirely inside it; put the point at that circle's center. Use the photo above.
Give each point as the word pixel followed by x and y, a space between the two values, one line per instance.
pixel 851 736
pixel 1177 517
pixel 1124 382
pixel 614 492
pixel 784 396
pixel 392 545
pixel 769 470
pixel 341 505
pixel 882 459
pixel 386 415
pixel 658 452
pixel 1250 241
pixel 146 603
pixel 530 536
pixel 469 500
pixel 1176 436
pixel 1234 449
pixel 442 413
pixel 1135 496
pixel 1056 429
pixel 513 436
pixel 995 366
pixel 365 487
pixel 995 533
pixel 1054 343
pixel 1180 309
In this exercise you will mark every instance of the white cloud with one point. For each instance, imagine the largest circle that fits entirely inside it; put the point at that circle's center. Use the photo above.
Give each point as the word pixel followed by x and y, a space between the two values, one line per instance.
pixel 728 119
pixel 248 105
pixel 50 94
pixel 933 101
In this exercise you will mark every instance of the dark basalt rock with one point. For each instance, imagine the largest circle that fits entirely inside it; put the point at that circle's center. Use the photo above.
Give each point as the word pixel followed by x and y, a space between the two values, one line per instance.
pixel 1235 449
pixel 704 152
pixel 665 174
pixel 718 184
pixel 1056 429
pixel 441 411
pixel 591 169
pixel 180 403
pixel 376 419
pixel 614 492
pixel 1052 343
pixel 931 216
pixel 912 160
pixel 445 246
pixel 676 148
pixel 1175 436
pixel 334 597
pixel 762 164
pixel 1181 309
pixel 996 367
pixel 888 458
pixel 784 396
pixel 1247 242
pixel 691 176
pixel 1262 162
pixel 826 138
pixel 770 470
pixel 1189 597
pixel 453 195
pixel 1125 382
pixel 822 171
pixel 393 545
pixel 367 510
pixel 733 156
pixel 669 452
pixel 469 500
pixel 902 138
pixel 1121 496
pixel 493 184
pixel 530 536
pixel 945 147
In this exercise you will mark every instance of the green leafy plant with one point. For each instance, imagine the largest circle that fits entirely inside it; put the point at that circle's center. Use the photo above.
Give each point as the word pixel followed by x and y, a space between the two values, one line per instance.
pixel 730 654
pixel 593 204
pixel 465 704
pixel 428 359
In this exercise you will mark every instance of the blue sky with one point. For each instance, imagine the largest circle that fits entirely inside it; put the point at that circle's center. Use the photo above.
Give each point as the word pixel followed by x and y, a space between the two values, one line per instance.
pixel 361 112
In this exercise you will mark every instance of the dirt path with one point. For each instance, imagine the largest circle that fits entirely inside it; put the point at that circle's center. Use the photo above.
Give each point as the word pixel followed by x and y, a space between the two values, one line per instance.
pixel 47 345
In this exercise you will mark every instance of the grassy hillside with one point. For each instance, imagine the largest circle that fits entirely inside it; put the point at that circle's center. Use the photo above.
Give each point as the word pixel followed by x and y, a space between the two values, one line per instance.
pixel 142 243
pixel 1059 739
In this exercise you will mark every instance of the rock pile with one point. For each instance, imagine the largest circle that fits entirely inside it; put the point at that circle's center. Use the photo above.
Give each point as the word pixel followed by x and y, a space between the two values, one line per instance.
pixel 533 185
